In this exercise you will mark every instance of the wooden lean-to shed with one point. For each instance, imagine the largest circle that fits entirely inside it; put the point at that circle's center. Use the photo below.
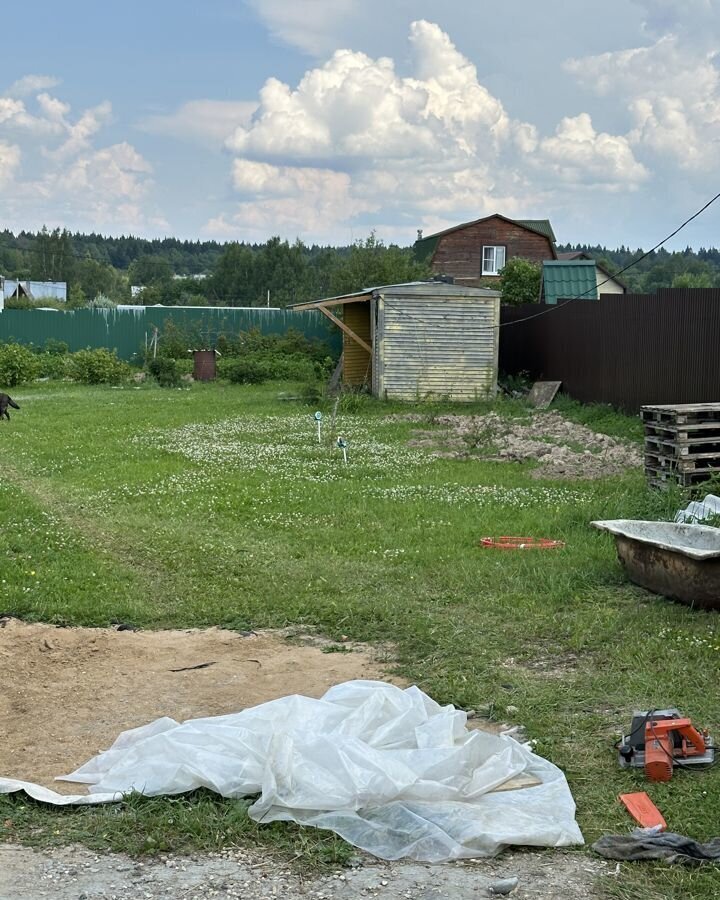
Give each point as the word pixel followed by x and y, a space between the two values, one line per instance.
pixel 421 340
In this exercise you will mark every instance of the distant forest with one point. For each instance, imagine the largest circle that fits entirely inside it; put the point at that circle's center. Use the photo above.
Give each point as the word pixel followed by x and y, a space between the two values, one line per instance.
pixel 662 269
pixel 101 270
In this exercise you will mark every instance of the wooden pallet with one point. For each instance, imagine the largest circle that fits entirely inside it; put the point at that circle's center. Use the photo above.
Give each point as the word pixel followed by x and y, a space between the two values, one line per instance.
pixel 700 462
pixel 683 414
pixel 686 432
pixel 682 443
pixel 665 478
pixel 669 446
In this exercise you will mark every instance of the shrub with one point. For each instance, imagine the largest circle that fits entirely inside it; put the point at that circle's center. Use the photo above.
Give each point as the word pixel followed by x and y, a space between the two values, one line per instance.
pixel 520 281
pixel 254 368
pixel 99 366
pixel 185 366
pixel 244 371
pixel 165 371
pixel 55 347
pixel 17 364
pixel 100 301
pixel 175 340
pixel 53 365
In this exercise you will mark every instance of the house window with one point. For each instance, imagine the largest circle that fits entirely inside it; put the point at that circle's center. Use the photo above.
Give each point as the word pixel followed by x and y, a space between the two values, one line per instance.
pixel 493 260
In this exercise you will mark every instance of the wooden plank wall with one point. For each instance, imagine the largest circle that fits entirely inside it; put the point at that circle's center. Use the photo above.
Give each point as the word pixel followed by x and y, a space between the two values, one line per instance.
pixel 460 253
pixel 357 365
pixel 439 347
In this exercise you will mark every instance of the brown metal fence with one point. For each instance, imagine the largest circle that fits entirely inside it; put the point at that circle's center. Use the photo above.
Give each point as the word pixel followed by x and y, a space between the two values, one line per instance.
pixel 624 349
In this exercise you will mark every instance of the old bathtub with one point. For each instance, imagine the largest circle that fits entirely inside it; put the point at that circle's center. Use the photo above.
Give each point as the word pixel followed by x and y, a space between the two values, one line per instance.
pixel 676 560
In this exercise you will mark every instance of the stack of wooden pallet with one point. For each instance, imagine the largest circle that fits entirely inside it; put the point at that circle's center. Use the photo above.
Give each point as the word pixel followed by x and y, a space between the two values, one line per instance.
pixel 682 443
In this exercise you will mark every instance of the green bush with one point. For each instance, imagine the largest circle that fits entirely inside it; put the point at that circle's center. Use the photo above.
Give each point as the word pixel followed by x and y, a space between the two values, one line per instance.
pixel 520 281
pixel 185 366
pixel 165 371
pixel 100 301
pixel 244 371
pixel 53 365
pixel 17 364
pixel 55 347
pixel 98 367
pixel 260 366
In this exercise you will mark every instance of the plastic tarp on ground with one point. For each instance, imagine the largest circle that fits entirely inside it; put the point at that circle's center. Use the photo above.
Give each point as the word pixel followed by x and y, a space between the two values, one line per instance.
pixel 388 769
pixel 697 511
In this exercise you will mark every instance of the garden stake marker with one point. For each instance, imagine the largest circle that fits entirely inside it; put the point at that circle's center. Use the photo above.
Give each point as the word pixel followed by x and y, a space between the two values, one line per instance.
pixel 318 419
pixel 342 445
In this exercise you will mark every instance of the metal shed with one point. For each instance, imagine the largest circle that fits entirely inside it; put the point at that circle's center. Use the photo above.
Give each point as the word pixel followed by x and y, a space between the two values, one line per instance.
pixel 419 340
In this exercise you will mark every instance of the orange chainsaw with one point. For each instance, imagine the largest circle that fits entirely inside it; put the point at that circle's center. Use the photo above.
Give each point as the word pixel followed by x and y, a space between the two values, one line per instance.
pixel 661 739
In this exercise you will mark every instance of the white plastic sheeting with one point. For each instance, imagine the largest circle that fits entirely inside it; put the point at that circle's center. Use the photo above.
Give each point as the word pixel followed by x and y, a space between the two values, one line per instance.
pixel 697 511
pixel 388 769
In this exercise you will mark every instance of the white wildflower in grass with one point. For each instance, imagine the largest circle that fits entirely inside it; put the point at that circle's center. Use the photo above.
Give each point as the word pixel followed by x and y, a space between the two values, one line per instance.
pixel 480 495
pixel 286 447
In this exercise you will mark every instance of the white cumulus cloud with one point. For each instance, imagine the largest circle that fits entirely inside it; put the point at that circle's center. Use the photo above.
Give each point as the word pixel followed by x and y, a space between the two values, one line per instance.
pixel 9 161
pixel 31 84
pixel 69 177
pixel 578 154
pixel 310 25
pixel 671 91
pixel 287 198
pixel 356 136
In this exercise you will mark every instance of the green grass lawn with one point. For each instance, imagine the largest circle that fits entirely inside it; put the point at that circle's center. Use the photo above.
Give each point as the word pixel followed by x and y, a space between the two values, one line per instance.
pixel 217 506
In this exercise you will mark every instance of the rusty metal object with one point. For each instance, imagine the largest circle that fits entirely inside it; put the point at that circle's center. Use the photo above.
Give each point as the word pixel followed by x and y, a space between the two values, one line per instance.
pixel 204 365
pixel 678 561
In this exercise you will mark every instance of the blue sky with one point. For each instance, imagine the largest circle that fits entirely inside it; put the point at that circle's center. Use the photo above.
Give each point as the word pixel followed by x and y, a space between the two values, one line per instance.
pixel 324 119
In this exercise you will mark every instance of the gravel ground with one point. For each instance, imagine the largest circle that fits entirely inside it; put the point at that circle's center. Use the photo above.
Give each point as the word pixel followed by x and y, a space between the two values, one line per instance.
pixel 73 873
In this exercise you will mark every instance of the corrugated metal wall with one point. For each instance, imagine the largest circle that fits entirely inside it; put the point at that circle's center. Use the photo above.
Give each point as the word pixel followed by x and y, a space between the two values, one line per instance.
pixel 125 329
pixel 357 365
pixel 437 347
pixel 627 350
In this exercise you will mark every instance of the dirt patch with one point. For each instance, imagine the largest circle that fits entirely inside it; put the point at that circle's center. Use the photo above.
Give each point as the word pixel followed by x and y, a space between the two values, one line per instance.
pixel 562 449
pixel 68 692
pixel 550 666
pixel 71 872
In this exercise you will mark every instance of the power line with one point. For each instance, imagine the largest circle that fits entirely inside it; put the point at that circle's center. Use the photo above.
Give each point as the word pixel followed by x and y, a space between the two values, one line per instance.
pixel 611 277
pixel 596 286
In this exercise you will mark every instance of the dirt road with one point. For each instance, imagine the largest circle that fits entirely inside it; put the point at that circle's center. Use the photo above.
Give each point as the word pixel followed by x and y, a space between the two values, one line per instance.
pixel 73 873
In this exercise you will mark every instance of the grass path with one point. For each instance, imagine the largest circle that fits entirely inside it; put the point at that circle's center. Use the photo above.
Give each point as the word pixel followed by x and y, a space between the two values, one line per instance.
pixel 217 506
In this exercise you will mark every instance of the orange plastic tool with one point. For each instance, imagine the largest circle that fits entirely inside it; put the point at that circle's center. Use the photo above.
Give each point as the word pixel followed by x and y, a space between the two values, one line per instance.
pixel 660 749
pixel 643 810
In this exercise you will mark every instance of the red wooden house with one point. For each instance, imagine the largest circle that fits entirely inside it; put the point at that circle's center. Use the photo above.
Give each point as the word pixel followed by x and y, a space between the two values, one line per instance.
pixel 479 250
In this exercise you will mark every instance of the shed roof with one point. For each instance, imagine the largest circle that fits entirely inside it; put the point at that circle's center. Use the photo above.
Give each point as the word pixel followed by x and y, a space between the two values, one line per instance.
pixel 581 254
pixel 425 247
pixel 569 278
pixel 437 289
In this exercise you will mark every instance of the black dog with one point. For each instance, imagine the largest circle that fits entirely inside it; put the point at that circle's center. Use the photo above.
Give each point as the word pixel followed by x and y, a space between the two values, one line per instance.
pixel 5 401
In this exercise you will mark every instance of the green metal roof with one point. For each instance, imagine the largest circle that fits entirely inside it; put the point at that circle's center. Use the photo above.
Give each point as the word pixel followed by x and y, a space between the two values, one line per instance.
pixel 569 278
pixel 425 247
pixel 542 226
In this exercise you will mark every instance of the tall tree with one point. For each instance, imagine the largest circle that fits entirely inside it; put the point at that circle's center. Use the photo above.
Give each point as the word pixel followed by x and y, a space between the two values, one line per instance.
pixel 370 263
pixel 53 256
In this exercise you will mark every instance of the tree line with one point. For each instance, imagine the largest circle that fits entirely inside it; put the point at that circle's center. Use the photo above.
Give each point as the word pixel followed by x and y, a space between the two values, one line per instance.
pixel 276 272
pixel 101 270
pixel 686 268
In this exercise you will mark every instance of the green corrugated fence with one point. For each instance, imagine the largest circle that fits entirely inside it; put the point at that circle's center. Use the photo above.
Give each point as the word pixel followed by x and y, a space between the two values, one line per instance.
pixel 127 330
